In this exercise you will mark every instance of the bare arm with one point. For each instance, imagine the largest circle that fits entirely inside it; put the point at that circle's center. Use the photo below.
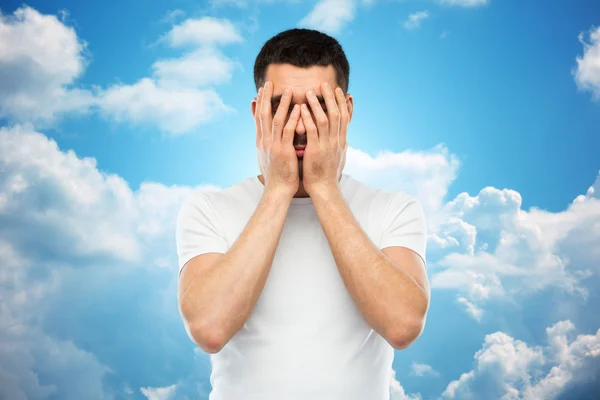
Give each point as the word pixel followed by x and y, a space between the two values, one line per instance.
pixel 218 293
pixel 390 287
pixel 216 300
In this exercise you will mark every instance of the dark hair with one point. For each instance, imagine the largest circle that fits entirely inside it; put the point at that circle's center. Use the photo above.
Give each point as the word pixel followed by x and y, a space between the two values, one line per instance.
pixel 302 48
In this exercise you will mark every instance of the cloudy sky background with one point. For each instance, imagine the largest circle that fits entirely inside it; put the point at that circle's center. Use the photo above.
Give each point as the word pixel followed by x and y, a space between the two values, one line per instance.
pixel 111 114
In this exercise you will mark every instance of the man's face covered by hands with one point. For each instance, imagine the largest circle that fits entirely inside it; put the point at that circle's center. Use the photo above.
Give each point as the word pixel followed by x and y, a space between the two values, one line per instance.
pixel 299 80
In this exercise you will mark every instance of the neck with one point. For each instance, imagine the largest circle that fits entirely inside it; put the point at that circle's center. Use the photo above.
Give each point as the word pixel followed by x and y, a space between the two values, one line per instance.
pixel 301 192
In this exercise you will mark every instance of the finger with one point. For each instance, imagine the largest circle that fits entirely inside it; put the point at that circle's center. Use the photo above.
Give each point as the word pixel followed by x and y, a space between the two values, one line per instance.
pixel 281 114
pixel 287 138
pixel 320 116
pixel 265 112
pixel 333 112
pixel 312 136
pixel 259 134
pixel 344 115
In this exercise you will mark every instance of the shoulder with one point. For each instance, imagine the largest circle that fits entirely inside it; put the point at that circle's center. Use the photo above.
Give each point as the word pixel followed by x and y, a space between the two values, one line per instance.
pixel 197 205
pixel 212 195
pixel 196 198
pixel 361 195
pixel 402 207
pixel 401 199
pixel 382 199
pixel 224 206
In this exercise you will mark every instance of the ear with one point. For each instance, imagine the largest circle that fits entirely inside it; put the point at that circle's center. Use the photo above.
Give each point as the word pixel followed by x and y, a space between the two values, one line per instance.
pixel 350 105
pixel 253 106
pixel 253 109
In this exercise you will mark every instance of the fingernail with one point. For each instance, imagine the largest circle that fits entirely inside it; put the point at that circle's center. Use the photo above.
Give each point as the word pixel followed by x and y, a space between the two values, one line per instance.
pixel 286 92
pixel 327 86
pixel 310 93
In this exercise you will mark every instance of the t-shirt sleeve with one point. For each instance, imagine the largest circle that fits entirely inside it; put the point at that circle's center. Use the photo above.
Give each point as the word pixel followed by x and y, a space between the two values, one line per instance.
pixel 198 230
pixel 404 224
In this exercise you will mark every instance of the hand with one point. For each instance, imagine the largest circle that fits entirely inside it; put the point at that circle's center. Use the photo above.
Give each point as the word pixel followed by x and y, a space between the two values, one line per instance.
pixel 274 142
pixel 325 152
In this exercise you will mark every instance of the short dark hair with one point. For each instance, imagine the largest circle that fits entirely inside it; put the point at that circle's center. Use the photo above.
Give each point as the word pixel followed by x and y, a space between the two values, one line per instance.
pixel 303 48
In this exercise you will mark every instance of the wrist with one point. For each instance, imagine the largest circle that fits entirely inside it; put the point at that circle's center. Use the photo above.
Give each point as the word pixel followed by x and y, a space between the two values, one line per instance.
pixel 324 192
pixel 278 195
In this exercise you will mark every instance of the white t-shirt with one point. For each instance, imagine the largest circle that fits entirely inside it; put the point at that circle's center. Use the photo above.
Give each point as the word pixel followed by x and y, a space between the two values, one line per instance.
pixel 305 338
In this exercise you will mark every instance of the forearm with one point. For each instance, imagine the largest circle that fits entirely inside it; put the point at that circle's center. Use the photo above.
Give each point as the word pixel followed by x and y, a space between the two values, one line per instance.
pixel 389 299
pixel 221 300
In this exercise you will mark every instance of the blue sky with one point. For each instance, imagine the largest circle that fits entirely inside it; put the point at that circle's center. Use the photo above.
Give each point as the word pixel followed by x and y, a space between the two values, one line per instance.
pixel 111 113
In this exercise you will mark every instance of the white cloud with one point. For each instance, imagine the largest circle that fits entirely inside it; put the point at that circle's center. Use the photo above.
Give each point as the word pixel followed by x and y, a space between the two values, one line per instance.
pixel 40 59
pixel 454 235
pixel 172 16
pixel 465 3
pixel 509 369
pixel 66 227
pixel 163 393
pixel 414 20
pixel 198 68
pixel 175 110
pixel 37 176
pixel 475 312
pixel 423 370
pixel 26 353
pixel 330 16
pixel 236 3
pixel 593 191
pixel 175 98
pixel 424 174
pixel 587 73
pixel 397 391
pixel 58 208
pixel 490 249
pixel 246 3
pixel 205 31
pixel 44 195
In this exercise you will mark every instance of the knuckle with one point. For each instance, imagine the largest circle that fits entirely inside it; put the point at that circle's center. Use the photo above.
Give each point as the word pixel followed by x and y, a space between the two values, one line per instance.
pixel 313 152
pixel 277 121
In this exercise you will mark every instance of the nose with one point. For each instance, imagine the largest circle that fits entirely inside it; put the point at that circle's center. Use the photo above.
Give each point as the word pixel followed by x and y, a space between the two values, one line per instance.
pixel 300 128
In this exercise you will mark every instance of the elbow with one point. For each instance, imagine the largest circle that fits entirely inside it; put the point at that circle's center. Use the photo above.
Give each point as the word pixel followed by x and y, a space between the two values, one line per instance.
pixel 206 336
pixel 411 326
pixel 402 337
pixel 209 340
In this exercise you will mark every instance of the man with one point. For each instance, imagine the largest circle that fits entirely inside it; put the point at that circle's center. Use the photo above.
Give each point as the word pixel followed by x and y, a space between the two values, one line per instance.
pixel 300 282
